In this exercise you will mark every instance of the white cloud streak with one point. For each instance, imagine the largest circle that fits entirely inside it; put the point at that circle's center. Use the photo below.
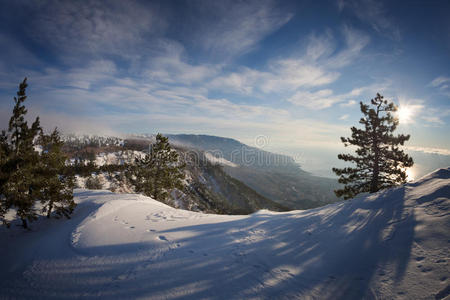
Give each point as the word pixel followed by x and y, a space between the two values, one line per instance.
pixel 317 66
pixel 91 27
pixel 373 13
pixel 430 150
pixel 235 27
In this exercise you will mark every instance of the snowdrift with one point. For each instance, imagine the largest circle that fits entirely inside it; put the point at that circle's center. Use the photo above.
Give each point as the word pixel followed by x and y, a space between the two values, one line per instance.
pixel 393 244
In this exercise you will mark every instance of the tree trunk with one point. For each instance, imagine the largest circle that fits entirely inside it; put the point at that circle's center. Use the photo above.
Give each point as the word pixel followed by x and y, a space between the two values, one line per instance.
pixel 50 207
pixel 24 223
pixel 376 169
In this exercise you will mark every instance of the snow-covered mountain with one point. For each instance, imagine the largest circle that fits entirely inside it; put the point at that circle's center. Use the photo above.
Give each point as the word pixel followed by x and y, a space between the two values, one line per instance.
pixel 390 245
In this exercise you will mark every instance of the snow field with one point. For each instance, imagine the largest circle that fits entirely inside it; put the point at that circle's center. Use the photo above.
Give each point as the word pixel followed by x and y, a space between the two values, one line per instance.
pixel 390 245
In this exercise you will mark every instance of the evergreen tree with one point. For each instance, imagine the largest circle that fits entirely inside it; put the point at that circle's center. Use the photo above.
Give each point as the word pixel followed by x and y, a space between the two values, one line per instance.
pixel 93 183
pixel 26 175
pixel 380 163
pixel 159 171
pixel 4 154
pixel 20 189
pixel 56 191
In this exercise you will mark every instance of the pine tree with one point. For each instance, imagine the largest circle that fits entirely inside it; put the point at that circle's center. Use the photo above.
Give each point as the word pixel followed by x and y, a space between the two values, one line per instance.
pixel 93 183
pixel 159 171
pixel 380 163
pixel 56 190
pixel 27 176
pixel 4 154
pixel 20 188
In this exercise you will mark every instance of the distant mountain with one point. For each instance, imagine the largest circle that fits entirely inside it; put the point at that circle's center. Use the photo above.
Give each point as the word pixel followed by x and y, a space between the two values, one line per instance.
pixel 236 152
pixel 224 175
pixel 213 190
pixel 275 176
pixel 207 187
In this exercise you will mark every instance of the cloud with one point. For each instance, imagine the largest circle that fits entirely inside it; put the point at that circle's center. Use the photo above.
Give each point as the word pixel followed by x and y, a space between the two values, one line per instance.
pixel 440 81
pixel 355 42
pixel 320 45
pixel 231 28
pixel 442 84
pixel 317 100
pixel 373 13
pixel 326 98
pixel 440 151
pixel 114 105
pixel 171 67
pixel 433 120
pixel 90 27
pixel 316 65
pixel 348 103
pixel 344 117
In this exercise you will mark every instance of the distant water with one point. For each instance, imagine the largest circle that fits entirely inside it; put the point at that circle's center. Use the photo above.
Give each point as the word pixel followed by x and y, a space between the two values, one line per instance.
pixel 320 161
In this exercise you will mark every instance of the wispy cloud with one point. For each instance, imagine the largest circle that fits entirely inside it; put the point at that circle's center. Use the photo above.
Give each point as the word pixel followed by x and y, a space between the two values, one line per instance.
pixel 317 64
pixel 317 100
pixel 430 150
pixel 170 66
pixel 90 27
pixel 348 103
pixel 235 27
pixel 442 83
pixel 355 42
pixel 374 13
pixel 326 98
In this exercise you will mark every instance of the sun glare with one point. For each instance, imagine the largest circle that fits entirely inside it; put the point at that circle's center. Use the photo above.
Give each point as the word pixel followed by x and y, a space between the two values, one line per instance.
pixel 404 114
pixel 409 174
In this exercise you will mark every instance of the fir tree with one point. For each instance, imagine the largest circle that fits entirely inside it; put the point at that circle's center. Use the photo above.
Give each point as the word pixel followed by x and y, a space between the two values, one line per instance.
pixel 93 183
pixel 159 171
pixel 56 191
pixel 380 163
pixel 20 189
pixel 27 176
pixel 4 154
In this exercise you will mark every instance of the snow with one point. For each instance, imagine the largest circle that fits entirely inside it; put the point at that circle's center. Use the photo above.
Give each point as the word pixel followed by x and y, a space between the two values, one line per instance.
pixel 389 245
pixel 118 158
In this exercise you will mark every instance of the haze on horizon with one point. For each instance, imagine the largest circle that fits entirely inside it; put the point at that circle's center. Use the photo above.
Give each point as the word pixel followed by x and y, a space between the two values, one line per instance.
pixel 292 72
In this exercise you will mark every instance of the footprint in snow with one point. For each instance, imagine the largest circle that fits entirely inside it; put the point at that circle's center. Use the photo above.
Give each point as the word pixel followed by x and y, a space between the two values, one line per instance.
pixel 420 258
pixel 162 238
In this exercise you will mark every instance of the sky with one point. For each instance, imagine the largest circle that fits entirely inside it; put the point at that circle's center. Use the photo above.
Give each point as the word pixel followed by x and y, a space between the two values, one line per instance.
pixel 286 76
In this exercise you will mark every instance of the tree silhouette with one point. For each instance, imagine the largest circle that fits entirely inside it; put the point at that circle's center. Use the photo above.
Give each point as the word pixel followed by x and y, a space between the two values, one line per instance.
pixel 380 163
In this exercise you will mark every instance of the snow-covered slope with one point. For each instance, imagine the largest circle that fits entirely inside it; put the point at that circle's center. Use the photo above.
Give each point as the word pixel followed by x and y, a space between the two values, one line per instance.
pixel 393 244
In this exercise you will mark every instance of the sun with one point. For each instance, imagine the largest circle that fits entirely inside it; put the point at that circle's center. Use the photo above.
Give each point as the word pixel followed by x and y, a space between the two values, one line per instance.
pixel 404 114
pixel 409 174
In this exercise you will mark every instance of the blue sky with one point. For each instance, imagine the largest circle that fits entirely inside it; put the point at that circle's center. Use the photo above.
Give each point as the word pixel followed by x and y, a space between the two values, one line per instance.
pixel 292 72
